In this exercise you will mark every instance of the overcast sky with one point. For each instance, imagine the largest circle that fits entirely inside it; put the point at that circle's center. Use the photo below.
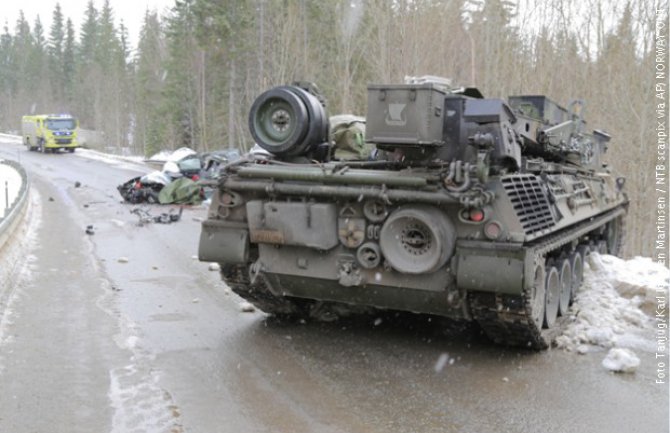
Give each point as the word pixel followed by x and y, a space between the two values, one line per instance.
pixel 131 11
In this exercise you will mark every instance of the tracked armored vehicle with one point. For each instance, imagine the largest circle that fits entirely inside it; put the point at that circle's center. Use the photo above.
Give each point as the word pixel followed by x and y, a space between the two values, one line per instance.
pixel 466 207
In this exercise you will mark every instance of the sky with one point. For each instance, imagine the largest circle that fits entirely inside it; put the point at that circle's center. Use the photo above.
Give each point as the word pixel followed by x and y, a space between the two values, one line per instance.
pixel 131 11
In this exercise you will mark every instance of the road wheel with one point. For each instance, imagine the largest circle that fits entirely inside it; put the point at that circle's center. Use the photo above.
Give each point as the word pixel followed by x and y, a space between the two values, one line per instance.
pixel 537 296
pixel 602 247
pixel 552 296
pixel 566 287
pixel 593 247
pixel 577 260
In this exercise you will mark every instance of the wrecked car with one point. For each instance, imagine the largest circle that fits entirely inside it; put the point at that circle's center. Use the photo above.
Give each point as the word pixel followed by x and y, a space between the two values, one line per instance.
pixel 213 161
pixel 163 187
pixel 144 189
pixel 177 182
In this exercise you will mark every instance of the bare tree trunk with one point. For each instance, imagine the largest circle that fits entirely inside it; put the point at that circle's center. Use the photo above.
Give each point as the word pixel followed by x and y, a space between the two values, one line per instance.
pixel 203 102
pixel 231 106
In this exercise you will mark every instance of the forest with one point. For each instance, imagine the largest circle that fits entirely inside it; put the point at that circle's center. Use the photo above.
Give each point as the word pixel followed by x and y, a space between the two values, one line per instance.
pixel 196 69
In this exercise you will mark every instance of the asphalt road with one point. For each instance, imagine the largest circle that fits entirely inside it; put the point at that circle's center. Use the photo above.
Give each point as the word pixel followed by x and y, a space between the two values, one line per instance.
pixel 92 342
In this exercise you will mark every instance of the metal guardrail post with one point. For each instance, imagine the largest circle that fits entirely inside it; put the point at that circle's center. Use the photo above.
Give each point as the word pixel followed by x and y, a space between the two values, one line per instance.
pixel 17 208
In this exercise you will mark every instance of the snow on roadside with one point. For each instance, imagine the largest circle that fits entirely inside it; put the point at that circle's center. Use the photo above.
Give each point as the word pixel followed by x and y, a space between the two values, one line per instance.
pixel 132 162
pixel 13 138
pixel 112 159
pixel 17 269
pixel 615 308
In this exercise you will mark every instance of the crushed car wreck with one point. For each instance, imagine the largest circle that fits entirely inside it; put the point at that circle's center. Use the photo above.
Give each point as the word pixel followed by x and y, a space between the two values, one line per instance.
pixel 144 189
pixel 178 181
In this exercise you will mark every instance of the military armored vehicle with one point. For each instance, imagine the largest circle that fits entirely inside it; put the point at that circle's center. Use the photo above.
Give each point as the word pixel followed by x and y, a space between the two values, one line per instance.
pixel 466 207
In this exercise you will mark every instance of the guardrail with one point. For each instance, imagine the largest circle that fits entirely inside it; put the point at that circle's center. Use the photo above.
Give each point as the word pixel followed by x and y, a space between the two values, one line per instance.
pixel 17 208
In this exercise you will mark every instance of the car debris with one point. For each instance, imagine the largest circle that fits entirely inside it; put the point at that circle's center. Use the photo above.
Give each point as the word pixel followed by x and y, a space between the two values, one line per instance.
pixel 145 217
pixel 93 202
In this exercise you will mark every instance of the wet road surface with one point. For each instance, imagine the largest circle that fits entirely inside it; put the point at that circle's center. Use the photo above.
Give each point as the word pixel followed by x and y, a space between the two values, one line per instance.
pixel 124 331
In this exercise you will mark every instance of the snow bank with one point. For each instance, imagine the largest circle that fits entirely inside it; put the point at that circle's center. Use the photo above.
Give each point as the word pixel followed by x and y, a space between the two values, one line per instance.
pixel 132 162
pixel 11 138
pixel 615 308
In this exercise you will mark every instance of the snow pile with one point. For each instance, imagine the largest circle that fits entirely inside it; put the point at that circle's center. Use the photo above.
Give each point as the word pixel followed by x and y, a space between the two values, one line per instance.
pixel 615 308
pixel 639 277
pixel 621 361
pixel 246 307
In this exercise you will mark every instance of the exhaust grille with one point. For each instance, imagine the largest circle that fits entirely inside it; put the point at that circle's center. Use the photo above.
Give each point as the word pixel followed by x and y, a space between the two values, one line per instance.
pixel 529 201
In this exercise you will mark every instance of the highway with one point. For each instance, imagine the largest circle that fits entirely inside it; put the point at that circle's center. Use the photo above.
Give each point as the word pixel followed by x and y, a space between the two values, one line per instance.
pixel 123 331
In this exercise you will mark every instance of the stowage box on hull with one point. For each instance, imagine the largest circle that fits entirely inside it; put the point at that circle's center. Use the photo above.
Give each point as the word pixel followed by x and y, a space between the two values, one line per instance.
pixel 406 115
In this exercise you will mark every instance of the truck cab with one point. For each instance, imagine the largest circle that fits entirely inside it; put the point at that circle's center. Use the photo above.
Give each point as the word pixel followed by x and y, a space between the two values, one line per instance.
pixel 50 132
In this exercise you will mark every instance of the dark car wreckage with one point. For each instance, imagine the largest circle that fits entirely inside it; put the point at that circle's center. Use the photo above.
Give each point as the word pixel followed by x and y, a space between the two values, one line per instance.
pixel 179 181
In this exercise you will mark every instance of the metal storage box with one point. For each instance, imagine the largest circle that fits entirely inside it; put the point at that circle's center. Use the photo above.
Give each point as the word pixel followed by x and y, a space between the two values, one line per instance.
pixel 539 107
pixel 410 114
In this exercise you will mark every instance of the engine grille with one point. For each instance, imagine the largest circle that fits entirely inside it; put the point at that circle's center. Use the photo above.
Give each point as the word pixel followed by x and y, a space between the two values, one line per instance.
pixel 529 201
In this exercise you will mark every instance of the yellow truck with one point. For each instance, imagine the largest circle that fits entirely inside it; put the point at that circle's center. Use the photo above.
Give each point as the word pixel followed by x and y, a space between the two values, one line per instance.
pixel 50 132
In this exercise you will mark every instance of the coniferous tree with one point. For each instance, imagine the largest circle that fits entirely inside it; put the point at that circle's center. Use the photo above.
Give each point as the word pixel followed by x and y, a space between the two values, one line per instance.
pixel 38 69
pixel 8 79
pixel 227 67
pixel 69 64
pixel 123 41
pixel 89 34
pixel 22 48
pixel 179 95
pixel 87 75
pixel 56 59
pixel 111 115
pixel 150 120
